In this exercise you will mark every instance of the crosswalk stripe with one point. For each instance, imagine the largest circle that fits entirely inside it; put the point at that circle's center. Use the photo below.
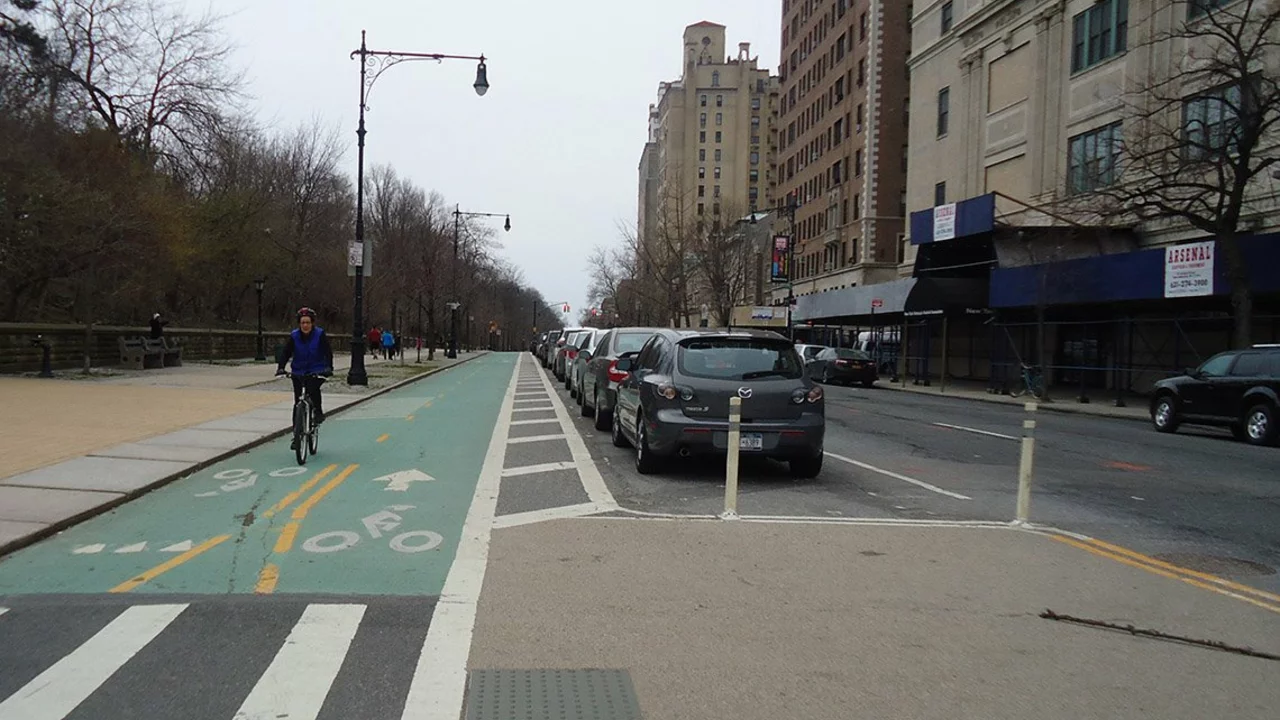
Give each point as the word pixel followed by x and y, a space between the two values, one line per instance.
pixel 298 679
pixel 57 691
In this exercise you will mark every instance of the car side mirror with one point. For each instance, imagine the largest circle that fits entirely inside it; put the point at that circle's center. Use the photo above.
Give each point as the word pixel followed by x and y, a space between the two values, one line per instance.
pixel 1194 372
pixel 624 364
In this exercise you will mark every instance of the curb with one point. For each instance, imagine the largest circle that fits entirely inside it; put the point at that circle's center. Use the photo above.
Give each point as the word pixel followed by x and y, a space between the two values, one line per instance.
pixel 57 527
pixel 1049 407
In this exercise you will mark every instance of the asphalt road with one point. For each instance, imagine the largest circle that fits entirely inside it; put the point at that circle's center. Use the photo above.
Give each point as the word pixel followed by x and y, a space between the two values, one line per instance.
pixel 1197 499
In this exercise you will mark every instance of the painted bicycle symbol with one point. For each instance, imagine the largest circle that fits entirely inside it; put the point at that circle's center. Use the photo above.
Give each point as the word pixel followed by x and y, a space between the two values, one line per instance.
pixel 377 525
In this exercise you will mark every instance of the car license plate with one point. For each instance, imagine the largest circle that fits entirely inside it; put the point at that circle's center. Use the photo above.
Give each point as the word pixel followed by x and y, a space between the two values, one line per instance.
pixel 751 441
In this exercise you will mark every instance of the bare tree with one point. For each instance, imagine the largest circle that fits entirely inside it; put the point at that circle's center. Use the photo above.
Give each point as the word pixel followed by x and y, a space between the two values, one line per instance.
pixel 157 78
pixel 1196 134
pixel 724 265
pixel 609 269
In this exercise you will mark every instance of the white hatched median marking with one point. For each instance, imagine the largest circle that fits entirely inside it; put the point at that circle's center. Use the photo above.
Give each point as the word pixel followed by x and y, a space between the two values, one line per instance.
pixel 535 438
pixel 298 679
pixel 588 473
pixel 557 513
pixel 535 422
pixel 535 409
pixel 896 476
pixel 535 469
pixel 54 693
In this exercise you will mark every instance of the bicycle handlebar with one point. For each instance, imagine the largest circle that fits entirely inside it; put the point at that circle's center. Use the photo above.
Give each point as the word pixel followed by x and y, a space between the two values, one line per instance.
pixel 321 378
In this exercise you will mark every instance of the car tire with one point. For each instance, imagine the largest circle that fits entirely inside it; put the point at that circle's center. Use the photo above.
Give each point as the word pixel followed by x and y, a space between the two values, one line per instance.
pixel 646 461
pixel 806 468
pixel 868 384
pixel 619 438
pixel 1164 414
pixel 1260 425
pixel 826 376
pixel 583 407
pixel 601 415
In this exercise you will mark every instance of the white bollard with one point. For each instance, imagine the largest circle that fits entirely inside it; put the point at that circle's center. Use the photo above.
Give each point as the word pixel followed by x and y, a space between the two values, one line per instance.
pixel 731 462
pixel 1025 464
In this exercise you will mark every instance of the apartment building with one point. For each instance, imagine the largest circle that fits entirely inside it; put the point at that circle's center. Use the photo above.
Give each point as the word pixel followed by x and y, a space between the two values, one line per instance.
pixel 842 140
pixel 709 159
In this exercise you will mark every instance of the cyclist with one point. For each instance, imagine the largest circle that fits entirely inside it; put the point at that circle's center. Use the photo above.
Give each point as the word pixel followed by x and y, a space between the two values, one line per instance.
pixel 308 347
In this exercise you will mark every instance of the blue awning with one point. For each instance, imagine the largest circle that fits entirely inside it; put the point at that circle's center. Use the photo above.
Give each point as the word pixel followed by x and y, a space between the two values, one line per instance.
pixel 971 217
pixel 1124 277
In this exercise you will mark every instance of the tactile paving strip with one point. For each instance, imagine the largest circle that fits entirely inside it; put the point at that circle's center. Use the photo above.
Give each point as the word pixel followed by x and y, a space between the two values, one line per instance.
pixel 541 694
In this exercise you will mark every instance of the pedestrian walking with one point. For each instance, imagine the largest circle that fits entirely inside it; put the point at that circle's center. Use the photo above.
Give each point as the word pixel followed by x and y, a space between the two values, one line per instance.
pixel 375 340
pixel 388 344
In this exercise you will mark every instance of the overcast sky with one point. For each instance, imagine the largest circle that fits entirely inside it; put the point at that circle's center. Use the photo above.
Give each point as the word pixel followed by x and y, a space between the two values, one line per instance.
pixel 556 142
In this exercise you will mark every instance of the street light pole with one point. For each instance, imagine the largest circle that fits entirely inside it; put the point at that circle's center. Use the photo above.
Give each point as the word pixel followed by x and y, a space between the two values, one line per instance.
pixel 456 303
pixel 379 61
pixel 258 285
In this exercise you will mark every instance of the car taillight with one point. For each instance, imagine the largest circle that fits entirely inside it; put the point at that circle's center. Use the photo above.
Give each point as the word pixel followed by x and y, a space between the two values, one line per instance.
pixel 571 354
pixel 615 375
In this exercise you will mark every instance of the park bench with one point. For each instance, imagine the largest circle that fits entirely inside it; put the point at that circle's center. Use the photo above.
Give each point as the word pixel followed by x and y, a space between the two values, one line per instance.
pixel 139 353
pixel 172 352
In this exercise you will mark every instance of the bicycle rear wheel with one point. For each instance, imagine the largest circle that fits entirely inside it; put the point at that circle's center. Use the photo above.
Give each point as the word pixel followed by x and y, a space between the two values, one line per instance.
pixel 1019 389
pixel 313 439
pixel 301 424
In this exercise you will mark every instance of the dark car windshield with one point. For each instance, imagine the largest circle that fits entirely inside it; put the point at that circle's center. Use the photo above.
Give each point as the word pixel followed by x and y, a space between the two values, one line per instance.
pixel 632 342
pixel 739 359
pixel 844 354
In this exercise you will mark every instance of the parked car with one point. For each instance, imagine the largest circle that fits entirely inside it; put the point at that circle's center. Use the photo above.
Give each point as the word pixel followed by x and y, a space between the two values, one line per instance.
pixel 578 362
pixel 1239 389
pixel 809 352
pixel 845 366
pixel 536 342
pixel 599 385
pixel 675 399
pixel 548 347
pixel 567 342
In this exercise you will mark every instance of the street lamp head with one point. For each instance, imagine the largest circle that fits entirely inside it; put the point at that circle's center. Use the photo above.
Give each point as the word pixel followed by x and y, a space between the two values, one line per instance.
pixel 507 225
pixel 482 78
pixel 259 283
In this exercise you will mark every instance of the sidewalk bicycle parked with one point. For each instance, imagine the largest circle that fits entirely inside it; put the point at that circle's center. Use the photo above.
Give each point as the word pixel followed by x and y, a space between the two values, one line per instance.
pixel 1032 380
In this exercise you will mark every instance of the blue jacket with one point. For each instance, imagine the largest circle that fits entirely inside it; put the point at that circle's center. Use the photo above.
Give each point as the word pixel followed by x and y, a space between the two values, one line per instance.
pixel 310 355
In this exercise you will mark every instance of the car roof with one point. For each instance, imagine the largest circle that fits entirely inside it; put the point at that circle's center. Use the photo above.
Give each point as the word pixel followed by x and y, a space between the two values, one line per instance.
pixel 679 334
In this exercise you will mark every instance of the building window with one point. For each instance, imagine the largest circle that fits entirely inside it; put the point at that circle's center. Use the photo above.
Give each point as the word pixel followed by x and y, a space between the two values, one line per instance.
pixel 755 139
pixel 702 173
pixel 715 208
pixel 861 117
pixel 702 191
pixel 839 131
pixel 719 118
pixel 753 194
pixel 862 72
pixel 755 158
pixel 1198 8
pixel 703 101
pixel 841 7
pixel 862 27
pixel 1093 159
pixel 755 176
pixel 702 136
pixel 702 155
pixel 1099 33
pixel 944 110
pixel 702 120
pixel 717 172
pixel 715 79
pixel 1210 123
pixel 857 206
pixel 717 191
pixel 840 48
pixel 940 194
pixel 759 86
pixel 840 88
pixel 835 173
pixel 947 17
pixel 905 157
pixel 755 103
pixel 755 122
pixel 719 136
pixel 719 101
pixel 857 163
pixel 718 154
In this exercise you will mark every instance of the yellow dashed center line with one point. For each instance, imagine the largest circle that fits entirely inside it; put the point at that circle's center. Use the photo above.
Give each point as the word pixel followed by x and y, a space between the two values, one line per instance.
pixel 270 573
pixel 383 438
pixel 291 497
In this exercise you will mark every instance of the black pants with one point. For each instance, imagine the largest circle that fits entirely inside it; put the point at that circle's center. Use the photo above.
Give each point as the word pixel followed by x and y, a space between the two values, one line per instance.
pixel 312 386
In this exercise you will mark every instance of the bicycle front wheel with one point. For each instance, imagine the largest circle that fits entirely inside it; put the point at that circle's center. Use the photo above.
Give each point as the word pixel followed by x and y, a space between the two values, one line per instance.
pixel 301 423
pixel 1019 389
pixel 1037 388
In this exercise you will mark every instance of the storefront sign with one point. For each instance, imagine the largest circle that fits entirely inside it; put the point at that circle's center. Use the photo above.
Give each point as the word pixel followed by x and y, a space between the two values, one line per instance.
pixel 944 222
pixel 1188 270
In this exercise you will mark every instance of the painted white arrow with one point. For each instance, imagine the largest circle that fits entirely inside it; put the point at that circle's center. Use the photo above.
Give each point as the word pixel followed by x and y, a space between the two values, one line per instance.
pixel 400 481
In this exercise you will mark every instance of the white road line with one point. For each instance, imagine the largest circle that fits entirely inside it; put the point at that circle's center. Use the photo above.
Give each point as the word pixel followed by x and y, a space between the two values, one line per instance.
pixel 440 679
pixel 541 398
pixel 976 431
pixel 54 693
pixel 588 473
pixel 535 438
pixel 298 679
pixel 896 476
pixel 535 422
pixel 535 469
pixel 544 409
pixel 3 610
pixel 558 513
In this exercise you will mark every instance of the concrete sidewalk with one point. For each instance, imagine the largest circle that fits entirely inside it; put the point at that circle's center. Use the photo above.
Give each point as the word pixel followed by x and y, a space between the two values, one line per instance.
pixel 78 447
pixel 755 621
pixel 1064 400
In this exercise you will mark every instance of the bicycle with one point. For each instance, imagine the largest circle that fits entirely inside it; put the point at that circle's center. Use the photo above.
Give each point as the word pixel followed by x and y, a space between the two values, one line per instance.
pixel 306 432
pixel 1032 380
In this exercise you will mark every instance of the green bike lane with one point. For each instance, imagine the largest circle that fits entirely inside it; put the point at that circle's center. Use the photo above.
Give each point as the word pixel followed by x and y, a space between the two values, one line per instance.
pixel 379 511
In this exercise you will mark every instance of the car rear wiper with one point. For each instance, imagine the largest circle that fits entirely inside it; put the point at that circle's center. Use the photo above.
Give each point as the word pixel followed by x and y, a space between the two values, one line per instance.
pixel 764 373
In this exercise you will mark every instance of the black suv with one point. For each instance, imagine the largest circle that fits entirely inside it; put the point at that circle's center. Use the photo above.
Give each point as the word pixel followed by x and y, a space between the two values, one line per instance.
pixel 1239 389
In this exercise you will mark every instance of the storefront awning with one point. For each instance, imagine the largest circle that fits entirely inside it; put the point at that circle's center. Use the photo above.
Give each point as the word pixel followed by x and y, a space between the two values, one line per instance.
pixel 912 296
